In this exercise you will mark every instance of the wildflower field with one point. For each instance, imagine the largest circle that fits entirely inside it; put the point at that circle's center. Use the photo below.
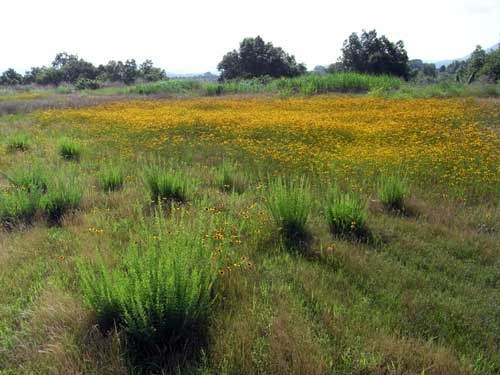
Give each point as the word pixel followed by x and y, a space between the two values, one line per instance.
pixel 251 234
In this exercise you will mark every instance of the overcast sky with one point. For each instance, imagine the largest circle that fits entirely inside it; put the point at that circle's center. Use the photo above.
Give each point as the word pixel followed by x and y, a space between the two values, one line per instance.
pixel 192 36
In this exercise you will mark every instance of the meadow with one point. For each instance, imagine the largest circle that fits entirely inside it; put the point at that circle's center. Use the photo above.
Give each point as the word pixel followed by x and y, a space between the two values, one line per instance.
pixel 251 234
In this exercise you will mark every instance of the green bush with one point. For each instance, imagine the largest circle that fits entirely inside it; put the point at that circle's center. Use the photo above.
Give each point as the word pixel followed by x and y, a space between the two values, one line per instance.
pixel 165 183
pixel 392 192
pixel 111 178
pixel 69 149
pixel 162 288
pixel 87 84
pixel 17 206
pixel 346 215
pixel 18 142
pixel 290 203
pixel 61 198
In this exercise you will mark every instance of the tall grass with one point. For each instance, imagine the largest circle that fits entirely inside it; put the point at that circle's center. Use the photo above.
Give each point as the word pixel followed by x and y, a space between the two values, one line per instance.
pixel 161 291
pixel 62 197
pixel 111 178
pixel 392 192
pixel 346 215
pixel 17 206
pixel 18 142
pixel 290 202
pixel 229 178
pixel 69 149
pixel 166 183
pixel 33 178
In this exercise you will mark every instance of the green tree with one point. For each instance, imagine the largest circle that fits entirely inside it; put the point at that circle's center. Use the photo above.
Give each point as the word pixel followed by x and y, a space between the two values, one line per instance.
pixel 150 73
pixel 11 77
pixel 491 67
pixel 371 54
pixel 256 58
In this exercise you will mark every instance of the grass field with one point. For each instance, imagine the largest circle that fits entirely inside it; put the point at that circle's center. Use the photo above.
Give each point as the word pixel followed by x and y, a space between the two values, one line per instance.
pixel 251 234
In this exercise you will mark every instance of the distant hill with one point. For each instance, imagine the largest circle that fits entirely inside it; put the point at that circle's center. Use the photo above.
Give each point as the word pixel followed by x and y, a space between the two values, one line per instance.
pixel 448 62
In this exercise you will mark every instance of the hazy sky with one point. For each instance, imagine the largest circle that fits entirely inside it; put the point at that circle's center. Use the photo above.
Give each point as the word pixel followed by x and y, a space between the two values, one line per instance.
pixel 192 36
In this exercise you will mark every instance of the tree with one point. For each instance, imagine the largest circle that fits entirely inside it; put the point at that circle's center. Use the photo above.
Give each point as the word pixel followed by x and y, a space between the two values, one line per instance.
pixel 11 77
pixel 371 54
pixel 149 73
pixel 130 72
pixel 256 58
pixel 491 67
pixel 475 63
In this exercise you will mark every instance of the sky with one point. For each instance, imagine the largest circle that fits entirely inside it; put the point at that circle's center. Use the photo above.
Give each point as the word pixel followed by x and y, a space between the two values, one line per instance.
pixel 191 36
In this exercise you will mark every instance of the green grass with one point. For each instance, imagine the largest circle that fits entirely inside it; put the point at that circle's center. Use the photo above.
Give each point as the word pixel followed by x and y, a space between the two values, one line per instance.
pixel 17 206
pixel 229 178
pixel 18 142
pixel 290 203
pixel 63 196
pixel 31 178
pixel 393 190
pixel 346 215
pixel 69 149
pixel 167 184
pixel 111 178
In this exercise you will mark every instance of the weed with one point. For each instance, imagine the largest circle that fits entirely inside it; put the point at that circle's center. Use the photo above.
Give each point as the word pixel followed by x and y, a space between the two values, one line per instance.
pixel 111 178
pixel 229 179
pixel 346 215
pixel 19 142
pixel 165 183
pixel 17 206
pixel 62 197
pixel 392 192
pixel 33 178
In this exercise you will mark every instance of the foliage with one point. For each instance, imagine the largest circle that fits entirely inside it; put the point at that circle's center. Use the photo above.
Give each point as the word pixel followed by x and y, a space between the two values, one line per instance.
pixel 290 202
pixel 87 84
pixel 371 54
pixel 11 77
pixel 228 178
pixel 162 288
pixel 491 67
pixel 63 196
pixel 111 178
pixel 150 73
pixel 392 191
pixel 346 215
pixel 165 183
pixel 69 149
pixel 256 58
pixel 19 142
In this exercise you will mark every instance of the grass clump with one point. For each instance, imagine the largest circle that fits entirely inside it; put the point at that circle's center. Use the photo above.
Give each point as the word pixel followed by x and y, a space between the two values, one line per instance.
pixel 61 198
pixel 17 206
pixel 392 192
pixel 160 292
pixel 347 215
pixel 69 149
pixel 19 142
pixel 166 184
pixel 229 179
pixel 111 178
pixel 30 179
pixel 290 203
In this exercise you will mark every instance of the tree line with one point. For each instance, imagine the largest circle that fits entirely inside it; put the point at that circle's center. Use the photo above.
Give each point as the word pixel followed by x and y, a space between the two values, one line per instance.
pixel 366 52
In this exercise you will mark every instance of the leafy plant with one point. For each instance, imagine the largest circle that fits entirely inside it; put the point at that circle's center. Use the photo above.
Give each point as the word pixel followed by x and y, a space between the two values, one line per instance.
pixel 69 149
pixel 162 288
pixel 346 215
pixel 19 142
pixel 392 191
pixel 165 183
pixel 289 203
pixel 111 178
pixel 62 197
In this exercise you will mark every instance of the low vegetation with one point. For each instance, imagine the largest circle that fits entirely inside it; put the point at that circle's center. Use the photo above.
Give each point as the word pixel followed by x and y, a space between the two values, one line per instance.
pixel 69 149
pixel 347 215
pixel 111 178
pixel 393 190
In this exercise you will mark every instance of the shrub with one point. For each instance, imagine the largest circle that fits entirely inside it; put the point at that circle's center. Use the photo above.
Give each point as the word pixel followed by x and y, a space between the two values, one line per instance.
pixel 392 192
pixel 111 178
pixel 69 149
pixel 30 179
pixel 18 142
pixel 161 290
pixel 228 178
pixel 290 203
pixel 165 183
pixel 87 84
pixel 17 206
pixel 61 198
pixel 346 215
